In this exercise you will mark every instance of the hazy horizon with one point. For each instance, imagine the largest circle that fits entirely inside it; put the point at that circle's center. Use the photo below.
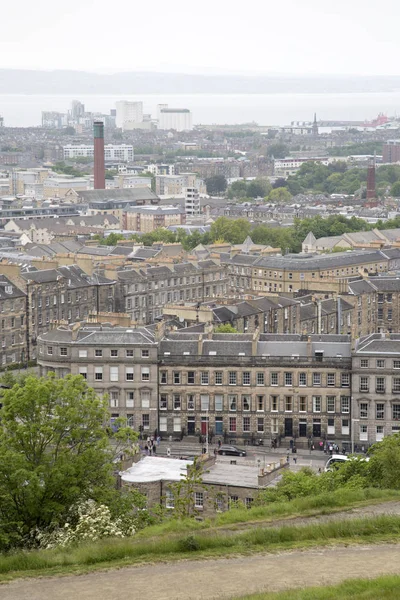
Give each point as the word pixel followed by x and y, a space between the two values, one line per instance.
pixel 260 38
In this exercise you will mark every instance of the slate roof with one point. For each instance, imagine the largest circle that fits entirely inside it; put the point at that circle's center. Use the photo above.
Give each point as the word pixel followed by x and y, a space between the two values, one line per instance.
pixel 377 344
pixel 75 276
pixel 127 194
pixel 13 290
pixel 378 284
pixel 101 335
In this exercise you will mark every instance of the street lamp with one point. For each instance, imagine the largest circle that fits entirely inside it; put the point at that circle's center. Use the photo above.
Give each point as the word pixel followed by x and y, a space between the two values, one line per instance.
pixel 207 431
pixel 352 433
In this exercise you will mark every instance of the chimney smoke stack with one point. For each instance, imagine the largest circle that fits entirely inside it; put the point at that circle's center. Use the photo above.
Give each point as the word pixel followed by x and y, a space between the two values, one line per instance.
pixel 99 169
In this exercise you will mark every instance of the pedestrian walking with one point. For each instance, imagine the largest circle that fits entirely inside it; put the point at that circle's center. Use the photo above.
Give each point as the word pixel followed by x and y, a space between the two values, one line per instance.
pixel 295 460
pixel 168 451
pixel 288 458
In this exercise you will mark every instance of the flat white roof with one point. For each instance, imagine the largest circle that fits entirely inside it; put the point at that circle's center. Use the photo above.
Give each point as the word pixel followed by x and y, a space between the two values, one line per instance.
pixel 156 468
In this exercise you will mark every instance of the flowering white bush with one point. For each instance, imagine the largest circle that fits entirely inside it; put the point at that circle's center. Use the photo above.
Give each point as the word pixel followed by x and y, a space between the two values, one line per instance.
pixel 88 522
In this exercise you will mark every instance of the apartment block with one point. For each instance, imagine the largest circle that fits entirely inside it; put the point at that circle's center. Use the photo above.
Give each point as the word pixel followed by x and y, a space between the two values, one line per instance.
pixel 117 362
pixel 143 292
pixel 376 388
pixel 242 387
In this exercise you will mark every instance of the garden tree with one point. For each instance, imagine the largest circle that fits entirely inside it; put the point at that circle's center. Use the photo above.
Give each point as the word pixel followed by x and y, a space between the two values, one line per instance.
pixel 384 464
pixel 183 491
pixel 110 173
pixel 281 194
pixel 61 167
pixel 258 188
pixel 238 189
pixel 111 240
pixel 216 184
pixel 233 231
pixel 395 189
pixel 54 453
pixel 280 182
pixel 278 150
pixel 277 237
pixel 361 148
pixel 225 328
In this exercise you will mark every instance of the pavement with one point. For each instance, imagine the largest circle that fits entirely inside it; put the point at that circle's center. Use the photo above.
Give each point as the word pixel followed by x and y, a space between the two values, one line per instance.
pixel 255 455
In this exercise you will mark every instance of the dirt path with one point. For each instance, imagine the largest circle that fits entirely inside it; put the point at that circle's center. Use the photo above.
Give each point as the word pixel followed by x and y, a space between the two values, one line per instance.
pixel 374 510
pixel 215 579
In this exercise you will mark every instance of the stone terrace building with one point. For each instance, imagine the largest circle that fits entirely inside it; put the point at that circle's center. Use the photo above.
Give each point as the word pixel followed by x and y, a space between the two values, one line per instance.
pixel 116 361
pixel 143 292
pixel 241 387
pixel 376 305
pixel 295 273
pixel 326 315
pixel 273 314
pixel 66 294
pixel 376 388
pixel 13 323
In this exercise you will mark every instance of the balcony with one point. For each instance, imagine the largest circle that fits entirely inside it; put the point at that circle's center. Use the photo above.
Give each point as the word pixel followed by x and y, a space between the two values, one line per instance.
pixel 258 361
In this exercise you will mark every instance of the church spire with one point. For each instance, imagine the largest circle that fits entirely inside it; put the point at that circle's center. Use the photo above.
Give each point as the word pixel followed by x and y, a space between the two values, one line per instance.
pixel 315 125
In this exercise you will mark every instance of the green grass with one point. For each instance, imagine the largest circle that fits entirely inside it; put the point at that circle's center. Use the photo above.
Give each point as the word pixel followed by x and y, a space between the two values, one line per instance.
pixel 117 552
pixel 237 531
pixel 382 588
pixel 322 504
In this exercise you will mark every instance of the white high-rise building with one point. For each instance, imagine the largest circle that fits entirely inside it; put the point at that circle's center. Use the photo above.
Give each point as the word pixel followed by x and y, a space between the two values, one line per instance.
pixel 179 119
pixel 117 152
pixel 128 112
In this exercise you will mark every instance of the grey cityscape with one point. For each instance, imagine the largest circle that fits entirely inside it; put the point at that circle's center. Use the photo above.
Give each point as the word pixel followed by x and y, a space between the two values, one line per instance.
pixel 200 302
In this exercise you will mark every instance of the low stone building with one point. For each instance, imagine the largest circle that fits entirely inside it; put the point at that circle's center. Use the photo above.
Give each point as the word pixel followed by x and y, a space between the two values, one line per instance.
pixel 223 484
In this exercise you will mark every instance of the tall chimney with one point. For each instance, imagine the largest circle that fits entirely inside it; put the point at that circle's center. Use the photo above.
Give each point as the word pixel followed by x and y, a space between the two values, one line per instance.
pixel 99 169
pixel 371 192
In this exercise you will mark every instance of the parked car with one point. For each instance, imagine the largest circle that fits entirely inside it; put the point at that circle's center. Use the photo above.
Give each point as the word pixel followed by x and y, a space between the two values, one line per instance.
pixel 231 451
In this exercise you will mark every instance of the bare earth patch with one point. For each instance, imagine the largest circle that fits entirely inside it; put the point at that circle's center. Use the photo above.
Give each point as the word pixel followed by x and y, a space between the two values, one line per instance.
pixel 212 579
pixel 226 577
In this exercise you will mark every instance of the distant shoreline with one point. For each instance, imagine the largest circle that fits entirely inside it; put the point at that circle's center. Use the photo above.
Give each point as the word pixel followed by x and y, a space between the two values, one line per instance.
pixel 35 82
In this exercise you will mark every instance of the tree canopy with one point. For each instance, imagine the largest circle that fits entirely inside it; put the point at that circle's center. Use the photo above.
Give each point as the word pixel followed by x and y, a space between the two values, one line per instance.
pixel 216 184
pixel 255 188
pixel 54 452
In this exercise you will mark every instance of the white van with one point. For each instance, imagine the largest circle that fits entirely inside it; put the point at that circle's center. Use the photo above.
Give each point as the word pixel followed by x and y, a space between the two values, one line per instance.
pixel 335 458
pixel 339 459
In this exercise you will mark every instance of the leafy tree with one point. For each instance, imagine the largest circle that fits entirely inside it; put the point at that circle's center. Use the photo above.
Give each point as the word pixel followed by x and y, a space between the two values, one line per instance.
pixel 281 194
pixel 61 167
pixel 278 150
pixel 183 492
pixel 233 231
pixel 395 189
pixel 110 173
pixel 225 328
pixel 238 189
pixel 361 148
pixel 384 465
pixel 54 452
pixel 256 188
pixel 216 184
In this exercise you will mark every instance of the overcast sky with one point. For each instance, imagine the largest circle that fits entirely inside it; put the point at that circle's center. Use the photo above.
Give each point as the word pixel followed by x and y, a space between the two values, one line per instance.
pixel 251 36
